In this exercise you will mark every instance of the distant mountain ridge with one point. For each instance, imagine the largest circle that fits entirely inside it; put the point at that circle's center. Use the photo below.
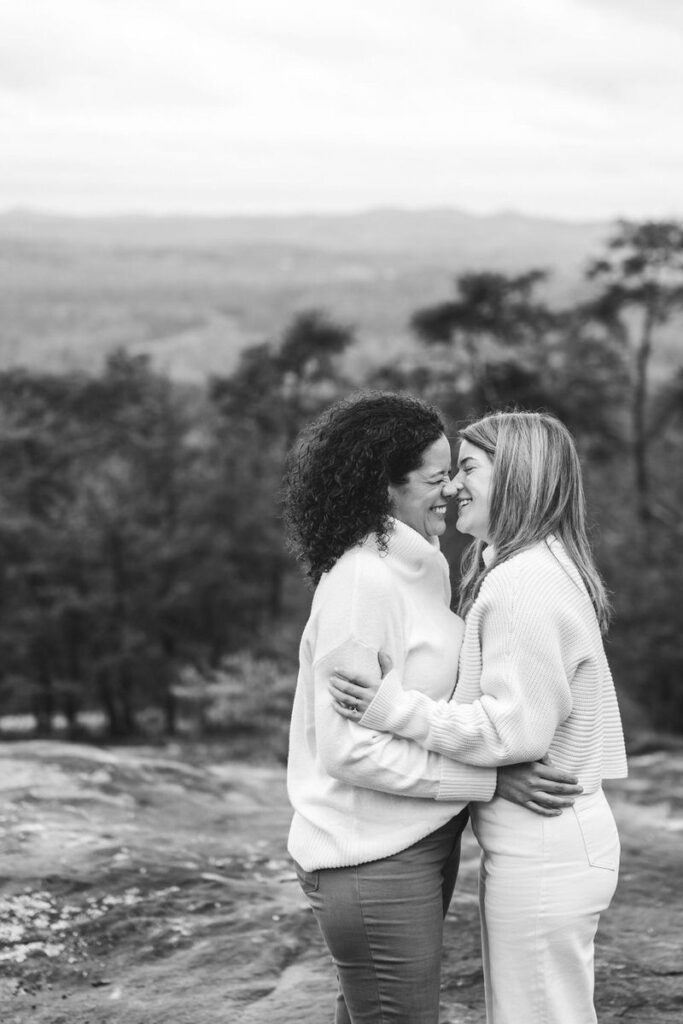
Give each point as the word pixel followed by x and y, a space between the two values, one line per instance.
pixel 192 291
pixel 377 229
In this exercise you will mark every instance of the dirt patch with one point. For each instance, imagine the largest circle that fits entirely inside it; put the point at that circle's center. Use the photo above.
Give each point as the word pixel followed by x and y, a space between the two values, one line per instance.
pixel 153 889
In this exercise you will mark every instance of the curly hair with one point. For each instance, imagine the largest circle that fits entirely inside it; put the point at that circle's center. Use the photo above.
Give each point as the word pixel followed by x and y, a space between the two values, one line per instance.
pixel 338 472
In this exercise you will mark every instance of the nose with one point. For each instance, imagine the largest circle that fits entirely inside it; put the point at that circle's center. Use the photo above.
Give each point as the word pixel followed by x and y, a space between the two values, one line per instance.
pixel 450 488
pixel 457 482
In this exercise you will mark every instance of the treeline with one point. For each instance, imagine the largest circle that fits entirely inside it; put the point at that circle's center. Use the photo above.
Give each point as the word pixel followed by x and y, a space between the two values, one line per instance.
pixel 139 519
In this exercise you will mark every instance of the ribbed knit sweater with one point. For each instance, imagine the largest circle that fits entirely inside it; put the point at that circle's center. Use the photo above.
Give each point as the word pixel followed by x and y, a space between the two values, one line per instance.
pixel 359 795
pixel 533 678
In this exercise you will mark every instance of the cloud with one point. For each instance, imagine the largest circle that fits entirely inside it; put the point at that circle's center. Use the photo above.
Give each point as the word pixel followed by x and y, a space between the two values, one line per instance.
pixel 275 105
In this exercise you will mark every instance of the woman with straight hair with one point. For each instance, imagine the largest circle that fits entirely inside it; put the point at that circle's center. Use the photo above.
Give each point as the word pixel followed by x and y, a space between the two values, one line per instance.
pixel 377 821
pixel 533 679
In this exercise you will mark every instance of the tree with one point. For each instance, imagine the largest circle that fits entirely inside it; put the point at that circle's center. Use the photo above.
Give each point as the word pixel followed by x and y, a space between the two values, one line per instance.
pixel 589 384
pixel 101 537
pixel 275 390
pixel 39 441
pixel 136 503
pixel 495 334
pixel 640 281
pixel 278 386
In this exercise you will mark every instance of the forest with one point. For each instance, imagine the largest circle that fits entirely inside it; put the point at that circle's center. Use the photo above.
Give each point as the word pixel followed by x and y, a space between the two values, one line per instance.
pixel 146 588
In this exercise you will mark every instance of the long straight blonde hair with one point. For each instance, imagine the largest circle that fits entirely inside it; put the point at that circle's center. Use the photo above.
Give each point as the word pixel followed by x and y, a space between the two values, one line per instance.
pixel 536 491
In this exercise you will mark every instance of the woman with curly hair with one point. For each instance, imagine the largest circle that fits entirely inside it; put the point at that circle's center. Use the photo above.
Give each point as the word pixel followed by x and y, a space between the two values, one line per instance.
pixel 377 819
pixel 533 678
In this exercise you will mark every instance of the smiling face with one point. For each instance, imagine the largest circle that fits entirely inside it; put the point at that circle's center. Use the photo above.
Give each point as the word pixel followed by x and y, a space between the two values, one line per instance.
pixel 473 489
pixel 420 502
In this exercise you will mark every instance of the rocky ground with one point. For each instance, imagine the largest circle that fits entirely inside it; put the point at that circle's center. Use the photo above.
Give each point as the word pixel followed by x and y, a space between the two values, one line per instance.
pixel 152 887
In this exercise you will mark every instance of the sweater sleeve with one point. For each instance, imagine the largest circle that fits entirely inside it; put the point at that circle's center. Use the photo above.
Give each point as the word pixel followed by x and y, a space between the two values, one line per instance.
pixel 378 760
pixel 524 686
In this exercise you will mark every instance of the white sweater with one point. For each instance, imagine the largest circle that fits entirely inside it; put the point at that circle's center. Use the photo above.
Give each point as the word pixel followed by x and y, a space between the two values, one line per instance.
pixel 533 678
pixel 359 795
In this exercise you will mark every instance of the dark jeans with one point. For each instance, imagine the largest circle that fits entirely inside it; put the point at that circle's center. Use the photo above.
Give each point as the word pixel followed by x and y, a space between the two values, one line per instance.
pixel 383 924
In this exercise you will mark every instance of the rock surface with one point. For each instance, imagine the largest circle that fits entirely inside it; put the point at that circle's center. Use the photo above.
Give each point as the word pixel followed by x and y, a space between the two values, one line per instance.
pixel 155 889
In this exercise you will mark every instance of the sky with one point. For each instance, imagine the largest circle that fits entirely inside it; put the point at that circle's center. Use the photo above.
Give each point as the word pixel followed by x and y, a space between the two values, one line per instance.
pixel 563 108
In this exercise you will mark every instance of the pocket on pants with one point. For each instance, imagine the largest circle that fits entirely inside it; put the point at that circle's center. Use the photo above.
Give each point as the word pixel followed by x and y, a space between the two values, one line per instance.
pixel 308 880
pixel 599 833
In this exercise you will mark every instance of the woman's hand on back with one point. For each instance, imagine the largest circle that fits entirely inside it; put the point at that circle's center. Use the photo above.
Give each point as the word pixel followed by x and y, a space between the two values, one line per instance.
pixel 539 786
pixel 351 698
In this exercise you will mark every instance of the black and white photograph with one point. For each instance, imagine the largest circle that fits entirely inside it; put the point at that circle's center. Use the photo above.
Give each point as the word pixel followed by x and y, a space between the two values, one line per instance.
pixel 341 546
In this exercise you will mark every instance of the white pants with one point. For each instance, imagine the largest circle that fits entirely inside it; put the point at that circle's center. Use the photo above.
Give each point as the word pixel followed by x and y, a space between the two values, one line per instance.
pixel 543 884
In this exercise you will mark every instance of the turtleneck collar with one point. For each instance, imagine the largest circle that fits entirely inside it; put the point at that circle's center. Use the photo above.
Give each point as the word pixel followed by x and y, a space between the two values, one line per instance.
pixel 411 545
